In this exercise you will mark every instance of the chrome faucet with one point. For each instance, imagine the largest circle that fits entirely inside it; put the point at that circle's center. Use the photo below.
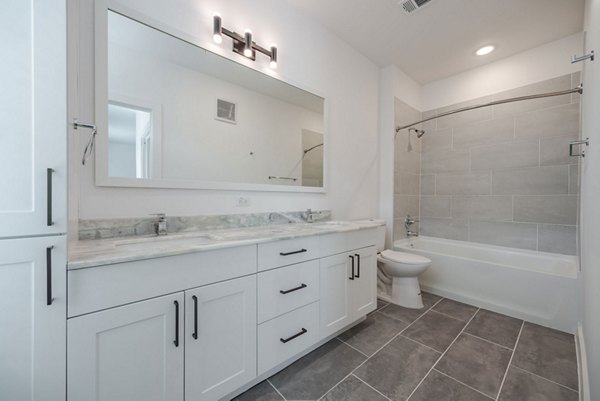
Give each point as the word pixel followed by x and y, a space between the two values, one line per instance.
pixel 310 216
pixel 160 226
pixel 409 221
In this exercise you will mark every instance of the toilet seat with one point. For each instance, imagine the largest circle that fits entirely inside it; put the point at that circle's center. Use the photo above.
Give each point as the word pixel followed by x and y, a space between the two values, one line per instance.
pixel 405 258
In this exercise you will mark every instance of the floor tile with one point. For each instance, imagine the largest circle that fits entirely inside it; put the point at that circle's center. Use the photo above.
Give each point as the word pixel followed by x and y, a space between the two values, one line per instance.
pixel 352 389
pixel 314 374
pixel 263 391
pixel 372 333
pixel 523 386
pixel 398 368
pixel 438 387
pixel 456 309
pixel 435 330
pixel 548 353
pixel 381 303
pixel 409 315
pixel 477 363
pixel 497 328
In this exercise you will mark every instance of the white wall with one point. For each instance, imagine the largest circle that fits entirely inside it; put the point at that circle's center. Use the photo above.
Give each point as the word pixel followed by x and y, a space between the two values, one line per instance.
pixel 590 199
pixel 539 64
pixel 308 55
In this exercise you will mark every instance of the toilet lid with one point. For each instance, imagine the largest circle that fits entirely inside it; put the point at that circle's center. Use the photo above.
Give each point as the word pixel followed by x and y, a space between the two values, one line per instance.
pixel 403 257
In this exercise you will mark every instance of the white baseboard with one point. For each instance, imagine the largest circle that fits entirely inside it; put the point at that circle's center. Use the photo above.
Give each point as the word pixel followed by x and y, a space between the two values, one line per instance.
pixel 582 366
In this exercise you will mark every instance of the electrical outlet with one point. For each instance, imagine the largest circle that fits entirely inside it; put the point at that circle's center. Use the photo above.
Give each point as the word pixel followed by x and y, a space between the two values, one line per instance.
pixel 243 201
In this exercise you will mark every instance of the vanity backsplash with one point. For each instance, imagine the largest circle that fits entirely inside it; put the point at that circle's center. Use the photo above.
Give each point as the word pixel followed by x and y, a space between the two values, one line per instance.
pixel 134 226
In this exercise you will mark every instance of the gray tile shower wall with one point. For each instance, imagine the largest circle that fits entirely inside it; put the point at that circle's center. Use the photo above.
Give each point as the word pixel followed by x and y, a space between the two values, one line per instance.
pixel 407 170
pixel 501 175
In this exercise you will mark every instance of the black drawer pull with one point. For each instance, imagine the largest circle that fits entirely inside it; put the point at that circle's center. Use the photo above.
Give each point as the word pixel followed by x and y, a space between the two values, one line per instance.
pixel 285 340
pixel 49 298
pixel 357 265
pixel 176 341
pixel 195 333
pixel 293 289
pixel 292 253
pixel 352 276
pixel 49 173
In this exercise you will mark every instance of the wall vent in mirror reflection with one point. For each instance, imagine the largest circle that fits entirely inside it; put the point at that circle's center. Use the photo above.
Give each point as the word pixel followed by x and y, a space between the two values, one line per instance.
pixel 187 92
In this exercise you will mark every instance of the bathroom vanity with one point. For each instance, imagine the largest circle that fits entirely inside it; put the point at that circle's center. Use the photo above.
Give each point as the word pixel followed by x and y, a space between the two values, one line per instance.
pixel 207 315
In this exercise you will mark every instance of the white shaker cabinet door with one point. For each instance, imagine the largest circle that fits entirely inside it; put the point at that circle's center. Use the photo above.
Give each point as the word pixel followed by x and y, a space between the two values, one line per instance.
pixel 33 319
pixel 133 352
pixel 220 338
pixel 364 286
pixel 335 281
pixel 33 117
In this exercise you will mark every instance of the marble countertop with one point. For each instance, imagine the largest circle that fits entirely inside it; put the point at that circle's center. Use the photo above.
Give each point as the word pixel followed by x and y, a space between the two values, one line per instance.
pixel 90 253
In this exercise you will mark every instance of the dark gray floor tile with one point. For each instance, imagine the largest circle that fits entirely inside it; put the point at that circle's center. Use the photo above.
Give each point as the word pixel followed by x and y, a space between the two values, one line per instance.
pixel 435 330
pixel 263 391
pixel 352 389
pixel 497 328
pixel 409 315
pixel 381 303
pixel 372 333
pixel 398 367
pixel 456 309
pixel 523 386
pixel 314 374
pixel 438 387
pixel 548 353
pixel 477 363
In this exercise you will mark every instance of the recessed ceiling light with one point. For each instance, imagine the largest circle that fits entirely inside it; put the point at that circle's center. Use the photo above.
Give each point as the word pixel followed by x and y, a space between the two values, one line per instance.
pixel 484 50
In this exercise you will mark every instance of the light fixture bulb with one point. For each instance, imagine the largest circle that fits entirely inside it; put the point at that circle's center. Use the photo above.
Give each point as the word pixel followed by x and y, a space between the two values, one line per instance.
pixel 218 39
pixel 484 50
pixel 247 52
pixel 273 63
pixel 248 43
pixel 217 29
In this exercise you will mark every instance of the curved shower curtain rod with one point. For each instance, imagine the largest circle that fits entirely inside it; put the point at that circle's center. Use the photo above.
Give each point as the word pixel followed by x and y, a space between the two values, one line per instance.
pixel 578 89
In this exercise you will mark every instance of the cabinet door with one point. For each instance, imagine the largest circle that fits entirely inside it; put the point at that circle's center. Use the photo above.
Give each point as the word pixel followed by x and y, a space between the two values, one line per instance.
pixel 33 117
pixel 133 352
pixel 363 293
pixel 220 338
pixel 335 313
pixel 33 319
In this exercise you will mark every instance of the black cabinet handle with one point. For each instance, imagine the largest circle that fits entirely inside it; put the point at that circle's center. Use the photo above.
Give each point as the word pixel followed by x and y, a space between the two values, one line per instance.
pixel 195 333
pixel 352 277
pixel 293 289
pixel 285 340
pixel 357 265
pixel 49 173
pixel 49 298
pixel 176 341
pixel 292 253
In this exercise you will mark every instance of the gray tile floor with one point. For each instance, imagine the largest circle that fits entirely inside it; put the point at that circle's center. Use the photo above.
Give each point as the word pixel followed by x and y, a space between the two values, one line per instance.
pixel 447 351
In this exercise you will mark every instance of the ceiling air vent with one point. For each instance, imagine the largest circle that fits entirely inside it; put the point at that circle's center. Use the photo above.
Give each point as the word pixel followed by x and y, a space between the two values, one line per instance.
pixel 410 6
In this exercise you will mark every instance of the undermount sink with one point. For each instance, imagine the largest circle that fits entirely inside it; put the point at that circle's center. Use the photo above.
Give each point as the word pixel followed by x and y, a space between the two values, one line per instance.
pixel 188 239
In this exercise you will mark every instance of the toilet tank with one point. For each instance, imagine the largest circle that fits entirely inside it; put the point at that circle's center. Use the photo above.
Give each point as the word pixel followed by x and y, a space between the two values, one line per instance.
pixel 380 244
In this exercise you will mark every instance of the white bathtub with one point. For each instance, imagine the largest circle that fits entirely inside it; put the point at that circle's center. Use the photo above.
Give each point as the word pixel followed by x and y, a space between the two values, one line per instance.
pixel 536 286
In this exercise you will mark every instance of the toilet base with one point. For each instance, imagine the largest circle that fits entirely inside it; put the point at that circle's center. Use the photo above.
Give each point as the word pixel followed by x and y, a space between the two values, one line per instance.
pixel 406 292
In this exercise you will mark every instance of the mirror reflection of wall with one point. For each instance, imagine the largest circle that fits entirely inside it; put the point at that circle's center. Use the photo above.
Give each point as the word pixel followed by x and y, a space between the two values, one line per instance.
pixel 129 141
pixel 312 163
pixel 219 121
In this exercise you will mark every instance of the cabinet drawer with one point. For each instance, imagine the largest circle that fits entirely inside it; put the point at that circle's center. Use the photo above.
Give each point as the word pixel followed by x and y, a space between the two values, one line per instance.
pixel 287 252
pixel 287 288
pixel 282 338
pixel 332 244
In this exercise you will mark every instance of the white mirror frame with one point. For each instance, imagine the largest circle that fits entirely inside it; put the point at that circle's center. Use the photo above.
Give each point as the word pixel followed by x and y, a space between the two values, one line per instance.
pixel 101 98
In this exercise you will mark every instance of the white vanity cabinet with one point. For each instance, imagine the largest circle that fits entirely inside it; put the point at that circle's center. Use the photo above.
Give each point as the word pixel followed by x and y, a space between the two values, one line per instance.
pixel 32 318
pixel 132 352
pixel 220 338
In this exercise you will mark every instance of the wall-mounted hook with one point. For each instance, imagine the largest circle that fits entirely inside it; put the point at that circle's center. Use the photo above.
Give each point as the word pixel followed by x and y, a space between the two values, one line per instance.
pixel 589 56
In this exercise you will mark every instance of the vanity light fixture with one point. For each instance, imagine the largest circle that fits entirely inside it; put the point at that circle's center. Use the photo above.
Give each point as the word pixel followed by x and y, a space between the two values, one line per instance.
pixel 243 45
pixel 482 51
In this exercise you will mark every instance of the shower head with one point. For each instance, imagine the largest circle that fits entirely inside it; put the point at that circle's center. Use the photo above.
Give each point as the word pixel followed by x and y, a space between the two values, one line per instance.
pixel 419 132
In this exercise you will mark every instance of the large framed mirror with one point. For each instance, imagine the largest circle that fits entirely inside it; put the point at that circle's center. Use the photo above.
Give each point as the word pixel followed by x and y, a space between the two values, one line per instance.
pixel 171 114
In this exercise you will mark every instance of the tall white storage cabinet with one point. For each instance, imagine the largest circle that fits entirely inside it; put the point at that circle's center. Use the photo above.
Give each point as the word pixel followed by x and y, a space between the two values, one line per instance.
pixel 33 130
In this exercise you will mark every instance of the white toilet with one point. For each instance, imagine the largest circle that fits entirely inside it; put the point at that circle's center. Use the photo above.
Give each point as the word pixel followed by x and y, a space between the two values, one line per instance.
pixel 400 271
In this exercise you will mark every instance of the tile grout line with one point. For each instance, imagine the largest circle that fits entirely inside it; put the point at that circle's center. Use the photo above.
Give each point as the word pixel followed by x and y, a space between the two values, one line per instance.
pixel 546 379
pixel 277 390
pixel 510 361
pixel 464 384
pixel 377 391
pixel 420 343
pixel 491 342
pixel 441 356
pixel 447 315
pixel 355 349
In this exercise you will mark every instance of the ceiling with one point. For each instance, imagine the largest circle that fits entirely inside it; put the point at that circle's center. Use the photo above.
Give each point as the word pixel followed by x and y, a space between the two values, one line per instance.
pixel 440 39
